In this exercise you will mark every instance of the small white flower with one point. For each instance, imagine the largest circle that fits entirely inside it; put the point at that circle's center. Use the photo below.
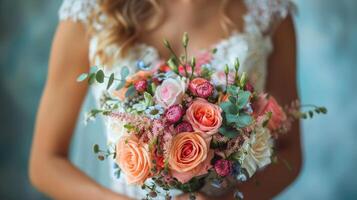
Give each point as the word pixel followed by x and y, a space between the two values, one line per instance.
pixel 115 130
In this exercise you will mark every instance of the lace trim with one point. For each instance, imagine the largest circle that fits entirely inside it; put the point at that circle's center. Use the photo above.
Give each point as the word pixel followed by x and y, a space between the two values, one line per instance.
pixel 77 10
pixel 264 15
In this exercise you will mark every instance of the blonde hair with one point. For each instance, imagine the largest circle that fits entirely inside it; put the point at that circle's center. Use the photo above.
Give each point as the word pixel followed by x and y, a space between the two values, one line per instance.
pixel 126 19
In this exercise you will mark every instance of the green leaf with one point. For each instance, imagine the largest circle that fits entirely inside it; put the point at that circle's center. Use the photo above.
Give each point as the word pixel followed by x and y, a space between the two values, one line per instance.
pixel 82 77
pixel 124 72
pixel 232 99
pixel 228 132
pixel 91 79
pixel 99 76
pixel 228 107
pixel 148 99
pixel 233 90
pixel 243 99
pixel 311 114
pixel 96 148
pixel 232 118
pixel 93 69
pixel 110 81
pixel 244 120
pixel 130 92
pixel 323 110
pixel 121 85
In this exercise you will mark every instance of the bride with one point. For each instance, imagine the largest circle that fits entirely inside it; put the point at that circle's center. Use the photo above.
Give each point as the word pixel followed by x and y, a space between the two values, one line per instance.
pixel 116 33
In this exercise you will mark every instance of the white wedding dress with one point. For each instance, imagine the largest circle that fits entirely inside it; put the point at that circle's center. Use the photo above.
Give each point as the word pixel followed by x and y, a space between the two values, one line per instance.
pixel 252 46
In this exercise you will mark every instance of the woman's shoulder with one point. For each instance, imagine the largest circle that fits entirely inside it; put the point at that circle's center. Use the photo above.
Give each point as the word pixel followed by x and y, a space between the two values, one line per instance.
pixel 265 15
pixel 77 10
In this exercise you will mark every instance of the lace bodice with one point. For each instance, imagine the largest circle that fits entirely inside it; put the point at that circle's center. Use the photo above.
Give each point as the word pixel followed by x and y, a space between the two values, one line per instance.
pixel 252 47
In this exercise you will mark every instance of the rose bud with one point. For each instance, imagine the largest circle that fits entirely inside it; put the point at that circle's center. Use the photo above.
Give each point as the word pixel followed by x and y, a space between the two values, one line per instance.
pixel 174 114
pixel 141 86
pixel 204 90
pixel 194 83
pixel 223 167
pixel 184 127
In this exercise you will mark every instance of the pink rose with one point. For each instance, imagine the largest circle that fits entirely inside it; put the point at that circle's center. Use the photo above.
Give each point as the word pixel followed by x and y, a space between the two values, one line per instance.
pixel 189 156
pixel 195 83
pixel 266 104
pixel 141 85
pixel 170 92
pixel 223 167
pixel 204 117
pixel 183 127
pixel 174 114
pixel 133 159
pixel 204 90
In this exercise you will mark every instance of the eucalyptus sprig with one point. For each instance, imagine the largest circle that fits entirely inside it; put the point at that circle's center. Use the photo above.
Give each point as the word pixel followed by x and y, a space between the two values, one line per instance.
pixel 103 154
pixel 97 75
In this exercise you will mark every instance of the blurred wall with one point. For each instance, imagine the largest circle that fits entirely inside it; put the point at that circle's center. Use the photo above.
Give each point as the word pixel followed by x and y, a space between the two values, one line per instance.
pixel 326 73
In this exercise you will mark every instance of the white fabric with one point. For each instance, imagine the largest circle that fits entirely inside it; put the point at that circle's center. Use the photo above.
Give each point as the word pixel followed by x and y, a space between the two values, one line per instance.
pixel 252 47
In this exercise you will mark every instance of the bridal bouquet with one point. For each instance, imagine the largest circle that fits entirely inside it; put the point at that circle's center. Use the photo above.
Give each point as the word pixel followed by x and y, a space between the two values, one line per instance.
pixel 182 125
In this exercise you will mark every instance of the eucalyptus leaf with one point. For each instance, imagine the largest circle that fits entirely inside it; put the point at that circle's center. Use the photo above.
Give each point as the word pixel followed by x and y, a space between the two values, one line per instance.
pixel 99 76
pixel 91 79
pixel 93 69
pixel 124 72
pixel 233 90
pixel 120 85
pixel 130 92
pixel 228 107
pixel 244 120
pixel 232 99
pixel 110 81
pixel 228 132
pixel 243 99
pixel 230 118
pixel 82 77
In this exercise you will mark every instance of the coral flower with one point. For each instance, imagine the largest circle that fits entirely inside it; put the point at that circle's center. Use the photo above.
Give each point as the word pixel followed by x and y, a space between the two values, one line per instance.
pixel 189 156
pixel 204 117
pixel 133 159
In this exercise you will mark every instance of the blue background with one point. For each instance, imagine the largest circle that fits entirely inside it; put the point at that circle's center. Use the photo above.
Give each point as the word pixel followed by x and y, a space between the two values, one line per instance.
pixel 327 68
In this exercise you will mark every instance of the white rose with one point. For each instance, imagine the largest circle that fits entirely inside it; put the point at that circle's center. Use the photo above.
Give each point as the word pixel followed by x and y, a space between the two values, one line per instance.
pixel 170 92
pixel 258 150
pixel 115 129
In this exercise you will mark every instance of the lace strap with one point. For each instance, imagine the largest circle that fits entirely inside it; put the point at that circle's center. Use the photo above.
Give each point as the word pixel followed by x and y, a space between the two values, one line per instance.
pixel 77 10
pixel 265 15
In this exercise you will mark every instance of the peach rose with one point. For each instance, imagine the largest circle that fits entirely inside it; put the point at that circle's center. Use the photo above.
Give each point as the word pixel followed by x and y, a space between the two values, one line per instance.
pixel 266 104
pixel 133 159
pixel 189 156
pixel 204 117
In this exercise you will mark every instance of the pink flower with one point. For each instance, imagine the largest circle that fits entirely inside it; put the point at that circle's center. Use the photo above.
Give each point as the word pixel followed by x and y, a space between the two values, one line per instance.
pixel 174 114
pixel 195 83
pixel 141 85
pixel 204 90
pixel 223 167
pixel 204 117
pixel 170 92
pixel 189 156
pixel 266 104
pixel 184 127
